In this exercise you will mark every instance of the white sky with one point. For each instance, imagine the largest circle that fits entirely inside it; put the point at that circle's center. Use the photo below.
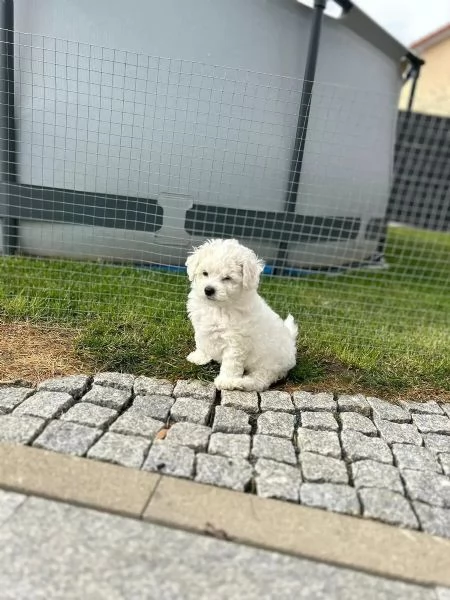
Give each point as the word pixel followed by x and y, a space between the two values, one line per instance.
pixel 407 20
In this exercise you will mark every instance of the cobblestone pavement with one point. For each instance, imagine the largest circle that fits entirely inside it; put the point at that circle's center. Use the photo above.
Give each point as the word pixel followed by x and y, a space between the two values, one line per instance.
pixel 350 454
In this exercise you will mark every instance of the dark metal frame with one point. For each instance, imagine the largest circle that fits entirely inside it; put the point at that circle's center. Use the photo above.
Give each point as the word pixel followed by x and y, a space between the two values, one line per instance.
pixel 303 118
pixel 9 158
pixel 302 128
pixel 19 201
pixel 413 73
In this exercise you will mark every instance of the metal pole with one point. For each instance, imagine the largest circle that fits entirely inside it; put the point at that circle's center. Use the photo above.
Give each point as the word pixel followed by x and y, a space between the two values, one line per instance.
pixel 415 78
pixel 302 127
pixel 8 124
pixel 413 73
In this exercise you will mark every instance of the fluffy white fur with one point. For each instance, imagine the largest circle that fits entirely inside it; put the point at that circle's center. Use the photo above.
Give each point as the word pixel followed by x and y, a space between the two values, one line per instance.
pixel 233 325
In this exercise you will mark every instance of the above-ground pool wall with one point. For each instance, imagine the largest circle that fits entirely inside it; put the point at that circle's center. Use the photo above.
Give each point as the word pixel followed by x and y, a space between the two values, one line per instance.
pixel 196 137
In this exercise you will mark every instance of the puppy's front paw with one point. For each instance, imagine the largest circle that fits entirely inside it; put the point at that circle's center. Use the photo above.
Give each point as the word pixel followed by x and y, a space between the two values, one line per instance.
pixel 198 358
pixel 224 383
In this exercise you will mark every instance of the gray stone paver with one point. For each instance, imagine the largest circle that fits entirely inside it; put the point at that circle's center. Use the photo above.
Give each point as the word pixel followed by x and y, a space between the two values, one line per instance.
pixel 357 404
pixel 320 421
pixel 358 422
pixel 276 401
pixel 388 411
pixel 433 519
pixel 446 408
pixel 134 423
pixel 156 407
pixel 230 420
pixel 278 424
pixel 432 423
pixel 246 401
pixel 388 506
pixel 428 487
pixel 150 386
pixel 235 445
pixel 170 459
pixel 16 429
pixel 372 474
pixel 233 473
pixel 67 437
pixel 330 496
pixel 64 552
pixel 203 390
pixel 321 442
pixel 357 446
pixel 118 381
pixel 190 435
pixel 75 385
pixel 322 469
pixel 10 397
pixel 276 480
pixel 273 448
pixel 430 407
pixel 9 503
pixel 399 433
pixel 46 405
pixel 414 457
pixel 316 402
pixel 125 450
pixel 89 414
pixel 444 459
pixel 437 442
pixel 191 409
pixel 302 400
pixel 108 397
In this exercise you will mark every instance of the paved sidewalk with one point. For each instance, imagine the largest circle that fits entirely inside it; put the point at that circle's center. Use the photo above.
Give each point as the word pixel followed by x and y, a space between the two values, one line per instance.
pixel 51 550
pixel 349 454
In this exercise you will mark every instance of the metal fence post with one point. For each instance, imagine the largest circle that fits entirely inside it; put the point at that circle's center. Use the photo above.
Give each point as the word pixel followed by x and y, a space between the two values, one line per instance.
pixel 302 127
pixel 8 124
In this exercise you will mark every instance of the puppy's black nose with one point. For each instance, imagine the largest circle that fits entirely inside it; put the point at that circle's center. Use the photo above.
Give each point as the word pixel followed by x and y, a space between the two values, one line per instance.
pixel 209 291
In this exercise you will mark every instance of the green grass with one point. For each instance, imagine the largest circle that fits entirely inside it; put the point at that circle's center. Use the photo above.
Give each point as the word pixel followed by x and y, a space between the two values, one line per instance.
pixel 385 331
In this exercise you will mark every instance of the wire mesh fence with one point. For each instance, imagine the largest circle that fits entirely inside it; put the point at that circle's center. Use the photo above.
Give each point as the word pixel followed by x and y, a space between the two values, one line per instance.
pixel 125 161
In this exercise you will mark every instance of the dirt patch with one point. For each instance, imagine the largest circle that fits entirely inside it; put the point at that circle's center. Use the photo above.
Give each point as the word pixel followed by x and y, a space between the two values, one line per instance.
pixel 33 353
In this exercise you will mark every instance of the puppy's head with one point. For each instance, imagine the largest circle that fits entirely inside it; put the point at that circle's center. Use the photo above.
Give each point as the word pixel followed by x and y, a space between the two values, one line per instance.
pixel 223 270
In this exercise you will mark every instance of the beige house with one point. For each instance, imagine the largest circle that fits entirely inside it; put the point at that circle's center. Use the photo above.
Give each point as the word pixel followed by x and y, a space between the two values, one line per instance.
pixel 432 95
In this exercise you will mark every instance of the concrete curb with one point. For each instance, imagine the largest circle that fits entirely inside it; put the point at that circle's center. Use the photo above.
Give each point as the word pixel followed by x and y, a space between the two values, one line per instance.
pixel 75 480
pixel 337 539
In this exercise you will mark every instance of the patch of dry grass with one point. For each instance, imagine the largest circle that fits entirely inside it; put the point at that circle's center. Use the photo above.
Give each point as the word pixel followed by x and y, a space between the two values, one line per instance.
pixel 33 353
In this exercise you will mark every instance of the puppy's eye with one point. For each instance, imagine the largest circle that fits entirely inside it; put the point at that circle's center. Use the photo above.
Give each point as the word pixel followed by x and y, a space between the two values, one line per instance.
pixel 226 278
pixel 205 274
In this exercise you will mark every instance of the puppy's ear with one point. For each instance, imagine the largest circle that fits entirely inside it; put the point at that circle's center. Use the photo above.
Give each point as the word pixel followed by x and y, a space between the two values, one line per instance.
pixel 192 263
pixel 252 267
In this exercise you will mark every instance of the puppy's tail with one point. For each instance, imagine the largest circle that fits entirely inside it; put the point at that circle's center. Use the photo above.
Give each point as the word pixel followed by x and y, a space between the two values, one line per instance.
pixel 291 326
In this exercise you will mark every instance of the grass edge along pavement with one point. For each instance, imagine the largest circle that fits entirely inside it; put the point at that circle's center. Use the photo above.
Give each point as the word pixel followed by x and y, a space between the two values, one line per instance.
pixel 385 332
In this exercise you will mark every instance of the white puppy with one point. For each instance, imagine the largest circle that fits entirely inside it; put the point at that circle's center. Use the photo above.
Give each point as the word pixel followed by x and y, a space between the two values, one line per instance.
pixel 233 325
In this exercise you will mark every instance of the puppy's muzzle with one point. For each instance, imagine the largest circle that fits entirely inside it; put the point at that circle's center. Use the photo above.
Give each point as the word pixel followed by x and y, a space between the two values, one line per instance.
pixel 209 291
